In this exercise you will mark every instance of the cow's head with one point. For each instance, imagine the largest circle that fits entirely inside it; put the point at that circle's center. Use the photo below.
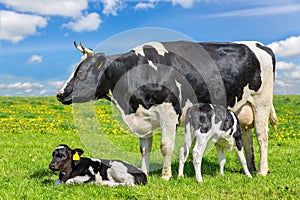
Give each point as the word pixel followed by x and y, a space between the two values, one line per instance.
pixel 87 82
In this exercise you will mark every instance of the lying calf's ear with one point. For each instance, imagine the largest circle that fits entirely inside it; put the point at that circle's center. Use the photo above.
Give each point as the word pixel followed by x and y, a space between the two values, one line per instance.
pixel 79 151
pixel 76 153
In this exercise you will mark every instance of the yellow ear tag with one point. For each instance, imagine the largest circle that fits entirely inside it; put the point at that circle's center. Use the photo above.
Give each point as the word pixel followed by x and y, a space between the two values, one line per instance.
pixel 100 65
pixel 76 156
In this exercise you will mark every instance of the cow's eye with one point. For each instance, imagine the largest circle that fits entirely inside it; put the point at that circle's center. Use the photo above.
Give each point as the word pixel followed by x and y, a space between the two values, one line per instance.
pixel 80 75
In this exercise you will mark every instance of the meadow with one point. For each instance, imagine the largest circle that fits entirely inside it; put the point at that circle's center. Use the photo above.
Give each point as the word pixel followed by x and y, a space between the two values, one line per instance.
pixel 31 127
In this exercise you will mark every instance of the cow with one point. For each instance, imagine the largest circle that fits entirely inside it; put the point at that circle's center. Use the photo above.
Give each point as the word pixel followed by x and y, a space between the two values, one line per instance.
pixel 208 122
pixel 153 84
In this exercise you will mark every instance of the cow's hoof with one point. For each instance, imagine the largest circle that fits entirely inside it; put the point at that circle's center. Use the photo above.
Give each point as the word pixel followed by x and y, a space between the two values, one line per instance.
pixel 263 173
pixel 166 178
pixel 199 180
pixel 181 176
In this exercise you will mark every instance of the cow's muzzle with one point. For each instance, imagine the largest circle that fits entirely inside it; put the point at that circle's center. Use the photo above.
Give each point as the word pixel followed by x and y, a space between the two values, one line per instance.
pixel 60 97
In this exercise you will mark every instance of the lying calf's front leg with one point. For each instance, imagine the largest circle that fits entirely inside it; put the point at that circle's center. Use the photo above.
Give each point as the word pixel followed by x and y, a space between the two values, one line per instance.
pixel 78 179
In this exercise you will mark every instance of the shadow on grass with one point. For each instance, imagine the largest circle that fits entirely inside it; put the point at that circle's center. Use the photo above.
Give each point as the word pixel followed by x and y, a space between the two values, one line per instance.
pixel 44 176
pixel 207 168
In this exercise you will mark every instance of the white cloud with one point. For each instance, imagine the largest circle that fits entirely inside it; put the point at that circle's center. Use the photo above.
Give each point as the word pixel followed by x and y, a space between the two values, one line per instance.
pixel 55 84
pixel 184 3
pixel 15 27
pixel 285 66
pixel 144 6
pixel 282 84
pixel 34 59
pixel 112 6
pixel 295 75
pixel 287 48
pixel 261 11
pixel 90 22
pixel 2 86
pixel 25 86
pixel 43 92
pixel 66 8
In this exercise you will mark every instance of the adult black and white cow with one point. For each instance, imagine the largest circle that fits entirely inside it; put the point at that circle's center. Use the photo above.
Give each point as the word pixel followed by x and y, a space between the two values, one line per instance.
pixel 155 83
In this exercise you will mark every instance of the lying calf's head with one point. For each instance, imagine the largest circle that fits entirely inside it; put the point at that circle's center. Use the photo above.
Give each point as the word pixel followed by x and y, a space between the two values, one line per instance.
pixel 63 158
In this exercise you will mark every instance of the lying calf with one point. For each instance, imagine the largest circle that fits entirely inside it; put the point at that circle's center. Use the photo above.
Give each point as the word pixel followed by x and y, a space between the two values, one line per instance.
pixel 211 122
pixel 76 169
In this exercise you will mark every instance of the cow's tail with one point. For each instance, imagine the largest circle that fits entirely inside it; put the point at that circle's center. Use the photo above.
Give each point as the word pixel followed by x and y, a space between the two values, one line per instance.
pixel 273 118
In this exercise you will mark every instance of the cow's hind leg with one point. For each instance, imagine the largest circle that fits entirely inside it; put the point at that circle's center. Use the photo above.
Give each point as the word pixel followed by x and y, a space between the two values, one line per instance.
pixel 261 129
pixel 248 146
pixel 145 147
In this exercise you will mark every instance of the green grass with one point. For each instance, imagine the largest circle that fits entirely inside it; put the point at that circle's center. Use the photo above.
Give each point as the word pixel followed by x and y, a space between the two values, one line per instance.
pixel 26 152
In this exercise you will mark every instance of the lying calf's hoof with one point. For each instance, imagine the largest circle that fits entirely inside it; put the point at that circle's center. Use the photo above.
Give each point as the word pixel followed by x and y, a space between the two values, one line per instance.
pixel 57 182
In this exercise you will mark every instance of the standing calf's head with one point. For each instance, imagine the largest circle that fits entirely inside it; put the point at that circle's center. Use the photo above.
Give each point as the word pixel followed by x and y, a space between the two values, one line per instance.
pixel 64 158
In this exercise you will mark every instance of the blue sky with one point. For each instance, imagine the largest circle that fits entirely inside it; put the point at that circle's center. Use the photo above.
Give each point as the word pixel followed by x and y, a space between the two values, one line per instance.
pixel 36 36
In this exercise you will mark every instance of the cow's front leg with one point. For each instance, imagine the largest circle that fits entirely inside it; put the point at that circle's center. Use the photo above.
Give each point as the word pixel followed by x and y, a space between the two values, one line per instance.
pixel 145 147
pixel 168 133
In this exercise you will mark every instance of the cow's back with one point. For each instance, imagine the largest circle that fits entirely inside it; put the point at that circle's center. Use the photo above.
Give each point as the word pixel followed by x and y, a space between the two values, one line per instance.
pixel 216 70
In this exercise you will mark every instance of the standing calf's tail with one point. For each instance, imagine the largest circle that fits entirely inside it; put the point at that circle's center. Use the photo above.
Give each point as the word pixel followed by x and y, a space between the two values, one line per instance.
pixel 273 118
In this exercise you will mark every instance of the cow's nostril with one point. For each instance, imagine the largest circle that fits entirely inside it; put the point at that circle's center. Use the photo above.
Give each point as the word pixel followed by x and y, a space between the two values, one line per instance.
pixel 59 96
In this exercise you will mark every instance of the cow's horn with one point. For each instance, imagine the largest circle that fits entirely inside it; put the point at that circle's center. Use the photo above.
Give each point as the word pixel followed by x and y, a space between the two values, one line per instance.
pixel 78 47
pixel 86 50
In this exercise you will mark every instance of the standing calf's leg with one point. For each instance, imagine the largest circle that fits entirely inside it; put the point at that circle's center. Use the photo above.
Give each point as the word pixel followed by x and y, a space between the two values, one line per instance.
pixel 243 161
pixel 145 147
pixel 221 158
pixel 184 150
pixel 198 151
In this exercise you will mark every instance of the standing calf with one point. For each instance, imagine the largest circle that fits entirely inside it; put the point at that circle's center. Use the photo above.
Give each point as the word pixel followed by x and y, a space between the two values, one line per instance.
pixel 76 169
pixel 211 122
